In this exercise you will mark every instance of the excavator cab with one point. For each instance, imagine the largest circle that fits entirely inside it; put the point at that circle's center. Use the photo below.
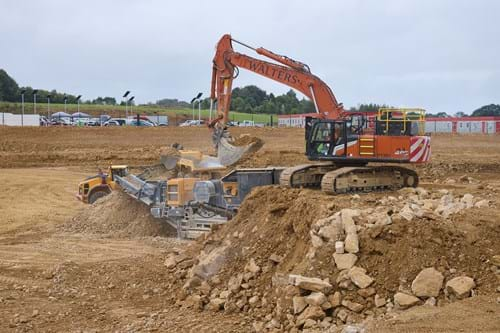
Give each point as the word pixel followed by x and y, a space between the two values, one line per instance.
pixel 328 139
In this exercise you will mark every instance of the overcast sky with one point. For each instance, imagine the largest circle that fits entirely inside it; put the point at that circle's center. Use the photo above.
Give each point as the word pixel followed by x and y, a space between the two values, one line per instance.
pixel 443 55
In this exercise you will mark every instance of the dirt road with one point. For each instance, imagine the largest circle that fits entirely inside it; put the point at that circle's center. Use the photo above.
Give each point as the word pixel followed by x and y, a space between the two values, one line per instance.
pixel 52 280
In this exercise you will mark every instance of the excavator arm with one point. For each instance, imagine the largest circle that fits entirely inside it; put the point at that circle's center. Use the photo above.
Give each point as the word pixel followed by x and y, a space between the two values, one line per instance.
pixel 290 72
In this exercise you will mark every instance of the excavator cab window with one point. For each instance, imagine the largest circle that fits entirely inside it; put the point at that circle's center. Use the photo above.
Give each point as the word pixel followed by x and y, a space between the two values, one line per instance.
pixel 322 138
pixel 326 139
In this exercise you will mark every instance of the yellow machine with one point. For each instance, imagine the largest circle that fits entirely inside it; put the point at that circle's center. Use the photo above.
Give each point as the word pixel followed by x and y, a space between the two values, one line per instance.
pixel 97 186
pixel 180 191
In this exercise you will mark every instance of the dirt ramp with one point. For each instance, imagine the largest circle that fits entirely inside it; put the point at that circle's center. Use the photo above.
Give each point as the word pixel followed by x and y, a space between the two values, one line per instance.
pixel 118 215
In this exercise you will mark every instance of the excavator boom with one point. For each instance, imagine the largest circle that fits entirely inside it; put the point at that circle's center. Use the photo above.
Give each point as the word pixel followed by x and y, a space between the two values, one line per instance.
pixel 289 72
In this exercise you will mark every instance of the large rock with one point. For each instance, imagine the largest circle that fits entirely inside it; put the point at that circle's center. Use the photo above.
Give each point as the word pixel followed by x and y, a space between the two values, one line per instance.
pixel 311 312
pixel 428 283
pixel 315 298
pixel 252 267
pixel 482 204
pixel 234 283
pixel 351 243
pixel 299 304
pixel 407 213
pixel 348 220
pixel 379 301
pixel 216 304
pixel 345 260
pixel 210 264
pixel 404 301
pixel 359 277
pixel 311 284
pixel 467 200
pixel 332 231
pixel 460 287
pixel 353 306
pixel 335 299
pixel 316 241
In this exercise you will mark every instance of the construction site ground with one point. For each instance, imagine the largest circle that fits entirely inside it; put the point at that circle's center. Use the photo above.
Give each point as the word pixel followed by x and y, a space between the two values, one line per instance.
pixel 57 275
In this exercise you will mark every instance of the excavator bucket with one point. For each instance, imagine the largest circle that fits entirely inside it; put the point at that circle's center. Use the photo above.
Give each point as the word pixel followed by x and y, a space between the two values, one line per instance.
pixel 230 150
pixel 229 154
pixel 169 156
pixel 169 161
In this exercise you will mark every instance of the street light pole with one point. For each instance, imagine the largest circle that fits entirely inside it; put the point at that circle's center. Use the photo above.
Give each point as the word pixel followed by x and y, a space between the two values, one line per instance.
pixel 35 91
pixel 125 97
pixel 130 100
pixel 22 106
pixel 48 107
pixel 193 102
pixel 78 107
pixel 199 111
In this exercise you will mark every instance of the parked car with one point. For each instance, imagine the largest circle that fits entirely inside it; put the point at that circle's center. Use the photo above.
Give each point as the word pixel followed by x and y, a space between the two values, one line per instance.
pixel 192 123
pixel 247 123
pixel 115 122
pixel 61 122
pixel 141 123
pixel 93 122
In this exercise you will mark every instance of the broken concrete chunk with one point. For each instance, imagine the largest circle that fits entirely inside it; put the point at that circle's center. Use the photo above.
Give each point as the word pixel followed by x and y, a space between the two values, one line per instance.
pixel 367 292
pixel 299 304
pixel 234 283
pixel 316 298
pixel 351 243
pixel 348 219
pixel 467 200
pixel 335 299
pixel 345 260
pixel 359 277
pixel 379 301
pixel 311 284
pixel 311 312
pixel 353 306
pixel 460 287
pixel 216 304
pixel 428 283
pixel 482 204
pixel 404 301
pixel 275 258
pixel 316 241
pixel 252 267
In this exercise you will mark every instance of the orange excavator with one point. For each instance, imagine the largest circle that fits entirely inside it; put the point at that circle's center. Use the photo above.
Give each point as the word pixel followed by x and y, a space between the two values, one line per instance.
pixel 340 143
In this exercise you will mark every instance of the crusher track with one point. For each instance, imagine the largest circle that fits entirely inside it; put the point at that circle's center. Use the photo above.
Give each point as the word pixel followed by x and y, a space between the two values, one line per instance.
pixel 333 179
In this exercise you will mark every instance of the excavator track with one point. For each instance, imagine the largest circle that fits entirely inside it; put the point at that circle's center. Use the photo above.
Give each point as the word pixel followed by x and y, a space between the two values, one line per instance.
pixel 305 175
pixel 368 179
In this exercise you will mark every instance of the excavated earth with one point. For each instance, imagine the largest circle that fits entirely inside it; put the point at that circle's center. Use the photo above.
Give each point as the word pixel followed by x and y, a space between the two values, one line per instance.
pixel 111 267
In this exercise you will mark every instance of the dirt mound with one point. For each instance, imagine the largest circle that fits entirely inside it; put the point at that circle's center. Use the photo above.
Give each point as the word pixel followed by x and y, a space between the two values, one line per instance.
pixel 118 215
pixel 251 264
pixel 265 158
pixel 246 140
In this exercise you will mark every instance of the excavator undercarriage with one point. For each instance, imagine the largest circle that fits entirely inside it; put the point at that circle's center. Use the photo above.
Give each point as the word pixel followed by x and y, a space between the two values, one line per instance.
pixel 335 179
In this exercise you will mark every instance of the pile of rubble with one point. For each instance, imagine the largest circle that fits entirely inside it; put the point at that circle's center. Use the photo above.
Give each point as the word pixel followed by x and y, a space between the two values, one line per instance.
pixel 117 215
pixel 293 260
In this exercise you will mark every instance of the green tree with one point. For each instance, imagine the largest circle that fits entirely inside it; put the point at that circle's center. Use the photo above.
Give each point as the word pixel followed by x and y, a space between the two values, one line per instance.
pixel 9 90
pixel 487 111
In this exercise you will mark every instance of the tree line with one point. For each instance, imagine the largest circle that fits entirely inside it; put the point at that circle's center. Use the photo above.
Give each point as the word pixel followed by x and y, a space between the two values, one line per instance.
pixel 10 91
pixel 248 99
